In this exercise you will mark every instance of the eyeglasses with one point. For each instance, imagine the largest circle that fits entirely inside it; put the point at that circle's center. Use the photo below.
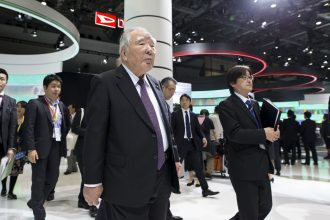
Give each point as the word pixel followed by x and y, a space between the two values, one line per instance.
pixel 247 77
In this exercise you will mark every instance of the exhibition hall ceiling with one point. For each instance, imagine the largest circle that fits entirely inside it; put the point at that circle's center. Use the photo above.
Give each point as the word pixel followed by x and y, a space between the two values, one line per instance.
pixel 289 35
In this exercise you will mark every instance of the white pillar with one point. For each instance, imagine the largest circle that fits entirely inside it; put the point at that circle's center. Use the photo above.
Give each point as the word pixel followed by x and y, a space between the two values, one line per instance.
pixel 156 17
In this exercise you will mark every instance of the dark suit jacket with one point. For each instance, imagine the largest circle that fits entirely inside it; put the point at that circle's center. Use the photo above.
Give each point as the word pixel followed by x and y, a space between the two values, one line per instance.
pixel 9 122
pixel 289 131
pixel 246 160
pixel 178 127
pixel 120 147
pixel 79 129
pixel 38 127
pixel 308 128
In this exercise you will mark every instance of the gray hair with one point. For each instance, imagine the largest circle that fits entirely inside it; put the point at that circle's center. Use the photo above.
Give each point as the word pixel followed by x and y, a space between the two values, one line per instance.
pixel 166 80
pixel 126 37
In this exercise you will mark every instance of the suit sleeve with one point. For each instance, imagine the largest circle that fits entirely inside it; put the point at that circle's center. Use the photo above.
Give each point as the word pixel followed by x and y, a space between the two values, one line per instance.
pixel 12 125
pixel 95 141
pixel 29 126
pixel 234 131
pixel 76 125
pixel 66 119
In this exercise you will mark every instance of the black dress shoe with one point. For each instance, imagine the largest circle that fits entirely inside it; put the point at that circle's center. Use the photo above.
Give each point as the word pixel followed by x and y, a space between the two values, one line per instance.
pixel 67 172
pixel 93 211
pixel 11 196
pixel 208 192
pixel 174 218
pixel 83 205
pixel 278 173
pixel 50 197
pixel 305 164
pixel 191 183
pixel 3 193
pixel 29 204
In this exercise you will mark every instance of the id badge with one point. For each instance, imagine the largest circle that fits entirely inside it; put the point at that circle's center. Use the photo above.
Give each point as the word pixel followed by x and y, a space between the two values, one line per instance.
pixel 57 134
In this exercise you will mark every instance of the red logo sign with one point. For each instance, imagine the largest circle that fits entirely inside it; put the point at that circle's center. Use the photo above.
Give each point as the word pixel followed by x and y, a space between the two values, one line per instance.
pixel 108 20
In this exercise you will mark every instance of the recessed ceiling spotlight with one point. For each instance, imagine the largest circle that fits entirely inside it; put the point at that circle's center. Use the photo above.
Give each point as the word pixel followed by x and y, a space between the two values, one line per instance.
pixel 318 23
pixel 289 58
pixel 202 38
pixel 328 68
pixel 72 10
pixel 325 62
pixel 326 4
pixel 251 21
pixel 178 34
pixel 179 59
pixel 44 3
pixel 279 56
pixel 310 64
pixel 34 33
pixel 174 59
pixel 264 52
pixel 310 52
pixel 61 44
pixel 273 5
pixel 299 15
pixel 194 33
pixel 255 1
pixel 276 47
pixel 263 24
pixel 286 64
pixel 322 66
pixel 325 56
pixel 105 60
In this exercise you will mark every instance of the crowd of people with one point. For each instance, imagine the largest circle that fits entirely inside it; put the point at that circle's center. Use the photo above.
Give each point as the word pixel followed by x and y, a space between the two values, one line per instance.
pixel 148 142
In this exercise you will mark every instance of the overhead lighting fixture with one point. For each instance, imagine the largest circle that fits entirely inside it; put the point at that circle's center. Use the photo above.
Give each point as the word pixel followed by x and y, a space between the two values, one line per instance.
pixel 276 47
pixel 310 64
pixel 327 4
pixel 72 10
pixel 34 33
pixel 325 56
pixel 251 21
pixel 286 64
pixel 279 56
pixel 322 66
pixel 44 3
pixel 61 44
pixel 328 68
pixel 318 23
pixel 202 38
pixel 289 59
pixel 263 24
pixel 264 52
pixel 273 5
pixel 194 33
pixel 173 59
pixel 310 52
pixel 179 59
pixel 305 50
pixel 325 62
pixel 178 34
pixel 105 60
pixel 255 1
pixel 299 15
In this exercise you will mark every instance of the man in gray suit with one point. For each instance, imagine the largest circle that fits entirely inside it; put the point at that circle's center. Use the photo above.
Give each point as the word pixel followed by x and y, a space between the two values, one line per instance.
pixel 127 151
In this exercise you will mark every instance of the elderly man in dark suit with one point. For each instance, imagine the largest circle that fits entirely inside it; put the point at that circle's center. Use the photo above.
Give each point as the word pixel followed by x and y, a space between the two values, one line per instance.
pixel 249 165
pixel 45 127
pixel 127 153
pixel 8 122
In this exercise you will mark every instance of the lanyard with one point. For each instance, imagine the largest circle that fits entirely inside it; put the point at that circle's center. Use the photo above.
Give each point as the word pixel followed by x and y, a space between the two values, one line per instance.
pixel 19 125
pixel 52 111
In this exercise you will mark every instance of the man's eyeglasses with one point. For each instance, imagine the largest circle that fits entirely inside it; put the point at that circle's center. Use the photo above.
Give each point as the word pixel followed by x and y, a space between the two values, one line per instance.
pixel 247 77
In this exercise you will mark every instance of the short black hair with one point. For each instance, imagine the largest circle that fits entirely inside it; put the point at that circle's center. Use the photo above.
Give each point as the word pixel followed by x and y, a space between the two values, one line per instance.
pixel 22 103
pixel 165 81
pixel 234 73
pixel 204 112
pixel 185 95
pixel 50 78
pixel 290 113
pixel 307 114
pixel 3 71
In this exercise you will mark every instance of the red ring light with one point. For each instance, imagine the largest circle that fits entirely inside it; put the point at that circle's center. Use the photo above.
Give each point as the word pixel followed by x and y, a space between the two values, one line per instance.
pixel 222 52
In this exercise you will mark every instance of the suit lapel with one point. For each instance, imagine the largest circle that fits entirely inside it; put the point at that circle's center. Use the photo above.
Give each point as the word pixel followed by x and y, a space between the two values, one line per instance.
pixel 242 106
pixel 128 89
pixel 46 108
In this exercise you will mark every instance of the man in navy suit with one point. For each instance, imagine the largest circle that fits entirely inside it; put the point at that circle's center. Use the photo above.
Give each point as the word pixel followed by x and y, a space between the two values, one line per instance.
pixel 8 122
pixel 249 165
pixel 127 151
pixel 45 127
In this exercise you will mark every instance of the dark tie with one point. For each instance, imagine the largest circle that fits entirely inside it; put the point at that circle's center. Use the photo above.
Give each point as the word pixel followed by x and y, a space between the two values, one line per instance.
pixel 250 107
pixel 153 118
pixel 187 125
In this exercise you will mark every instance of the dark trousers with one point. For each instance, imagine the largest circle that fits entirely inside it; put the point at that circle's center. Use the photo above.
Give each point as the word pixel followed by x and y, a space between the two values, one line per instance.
pixel 156 209
pixel 45 174
pixel 290 145
pixel 310 146
pixel 254 198
pixel 79 158
pixel 193 161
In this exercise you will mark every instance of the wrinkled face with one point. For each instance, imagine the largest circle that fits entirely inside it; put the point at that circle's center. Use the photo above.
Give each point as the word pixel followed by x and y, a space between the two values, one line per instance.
pixel 169 90
pixel 244 84
pixel 53 90
pixel 139 57
pixel 185 102
pixel 3 81
pixel 20 110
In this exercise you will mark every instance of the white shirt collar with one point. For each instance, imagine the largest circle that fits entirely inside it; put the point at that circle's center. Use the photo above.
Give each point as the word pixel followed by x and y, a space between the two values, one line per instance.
pixel 244 99
pixel 2 93
pixel 134 78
